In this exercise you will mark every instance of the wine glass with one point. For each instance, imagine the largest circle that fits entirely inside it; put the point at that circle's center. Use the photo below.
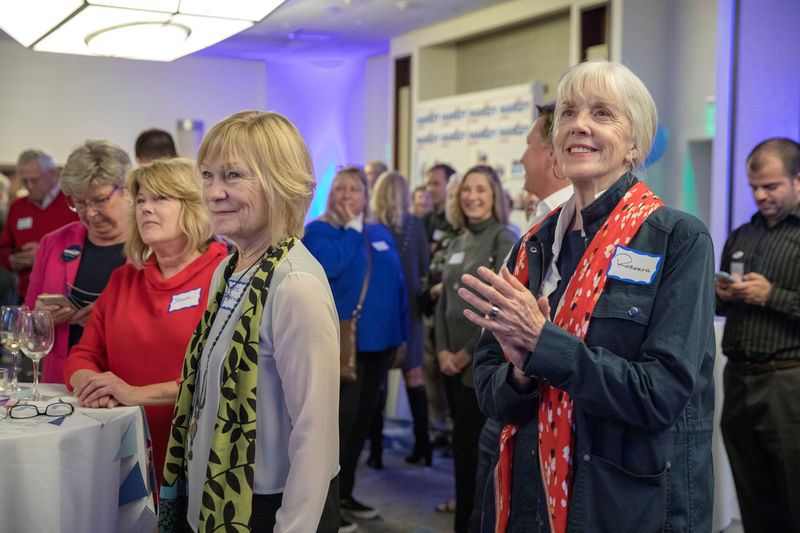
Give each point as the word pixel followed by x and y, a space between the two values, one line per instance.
pixel 10 321
pixel 36 336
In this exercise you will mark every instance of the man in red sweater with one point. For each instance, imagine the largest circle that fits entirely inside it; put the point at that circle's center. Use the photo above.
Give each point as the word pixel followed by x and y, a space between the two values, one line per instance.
pixel 30 218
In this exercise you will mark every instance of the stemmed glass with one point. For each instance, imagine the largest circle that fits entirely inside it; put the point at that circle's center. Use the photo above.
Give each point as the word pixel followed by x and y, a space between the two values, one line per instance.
pixel 10 322
pixel 36 336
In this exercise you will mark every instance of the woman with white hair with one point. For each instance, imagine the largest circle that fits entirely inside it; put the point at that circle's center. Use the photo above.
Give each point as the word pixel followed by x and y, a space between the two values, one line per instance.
pixel 598 350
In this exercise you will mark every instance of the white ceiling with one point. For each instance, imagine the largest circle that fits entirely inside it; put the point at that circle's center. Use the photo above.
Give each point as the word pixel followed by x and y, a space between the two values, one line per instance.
pixel 332 31
pixel 335 30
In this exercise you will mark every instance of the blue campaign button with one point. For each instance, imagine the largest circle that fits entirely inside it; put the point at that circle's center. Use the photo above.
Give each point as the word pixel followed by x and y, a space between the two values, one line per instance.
pixel 71 253
pixel 633 311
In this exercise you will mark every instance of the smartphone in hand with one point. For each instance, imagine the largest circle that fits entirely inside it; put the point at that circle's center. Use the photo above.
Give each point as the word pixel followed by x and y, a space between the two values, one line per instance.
pixel 725 276
pixel 54 299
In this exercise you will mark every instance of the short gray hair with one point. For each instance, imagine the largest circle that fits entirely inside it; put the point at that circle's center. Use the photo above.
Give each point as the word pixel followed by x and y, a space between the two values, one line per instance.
pixel 95 163
pixel 620 83
pixel 44 160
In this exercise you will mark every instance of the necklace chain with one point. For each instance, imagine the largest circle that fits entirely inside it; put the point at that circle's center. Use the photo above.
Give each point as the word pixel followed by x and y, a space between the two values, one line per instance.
pixel 200 396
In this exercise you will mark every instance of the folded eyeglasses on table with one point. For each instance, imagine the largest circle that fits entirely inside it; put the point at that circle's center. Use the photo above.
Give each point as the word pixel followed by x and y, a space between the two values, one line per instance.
pixel 27 410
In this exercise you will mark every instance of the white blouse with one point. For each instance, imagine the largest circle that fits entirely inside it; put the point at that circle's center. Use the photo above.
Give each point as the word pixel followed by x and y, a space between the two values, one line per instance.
pixel 297 429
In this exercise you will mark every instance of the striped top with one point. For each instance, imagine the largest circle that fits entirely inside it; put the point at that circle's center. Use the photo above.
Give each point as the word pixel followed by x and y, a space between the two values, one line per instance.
pixel 770 332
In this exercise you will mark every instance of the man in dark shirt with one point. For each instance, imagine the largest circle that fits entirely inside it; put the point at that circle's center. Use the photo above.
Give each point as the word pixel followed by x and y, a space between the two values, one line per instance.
pixel 440 232
pixel 761 415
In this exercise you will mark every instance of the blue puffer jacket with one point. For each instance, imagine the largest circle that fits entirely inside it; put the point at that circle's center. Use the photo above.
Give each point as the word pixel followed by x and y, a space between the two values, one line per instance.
pixel 641 383
pixel 342 253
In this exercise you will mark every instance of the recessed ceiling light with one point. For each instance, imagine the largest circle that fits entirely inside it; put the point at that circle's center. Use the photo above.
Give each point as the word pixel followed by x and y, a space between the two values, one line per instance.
pixel 157 30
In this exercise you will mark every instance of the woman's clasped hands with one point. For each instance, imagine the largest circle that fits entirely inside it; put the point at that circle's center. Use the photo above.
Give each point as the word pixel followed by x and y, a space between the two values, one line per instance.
pixel 509 310
pixel 104 389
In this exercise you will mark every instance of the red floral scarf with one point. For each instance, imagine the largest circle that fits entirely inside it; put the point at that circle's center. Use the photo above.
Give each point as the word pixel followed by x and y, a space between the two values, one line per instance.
pixel 556 425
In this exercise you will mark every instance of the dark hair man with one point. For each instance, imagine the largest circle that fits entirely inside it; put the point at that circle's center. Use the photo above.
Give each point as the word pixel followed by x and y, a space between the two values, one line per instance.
pixel 154 144
pixel 762 341
pixel 440 232
pixel 438 176
pixel 538 159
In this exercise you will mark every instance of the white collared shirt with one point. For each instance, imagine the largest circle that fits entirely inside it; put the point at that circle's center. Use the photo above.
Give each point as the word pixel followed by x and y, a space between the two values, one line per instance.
pixel 49 197
pixel 553 276
pixel 546 206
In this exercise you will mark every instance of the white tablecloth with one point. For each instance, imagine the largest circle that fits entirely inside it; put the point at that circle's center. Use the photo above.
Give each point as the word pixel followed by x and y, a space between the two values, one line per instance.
pixel 90 473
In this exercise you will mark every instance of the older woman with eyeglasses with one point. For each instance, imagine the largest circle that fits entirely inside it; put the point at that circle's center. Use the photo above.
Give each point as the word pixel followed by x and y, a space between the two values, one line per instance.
pixel 73 263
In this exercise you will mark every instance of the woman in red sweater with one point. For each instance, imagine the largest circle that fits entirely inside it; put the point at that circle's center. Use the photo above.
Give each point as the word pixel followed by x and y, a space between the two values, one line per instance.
pixel 133 346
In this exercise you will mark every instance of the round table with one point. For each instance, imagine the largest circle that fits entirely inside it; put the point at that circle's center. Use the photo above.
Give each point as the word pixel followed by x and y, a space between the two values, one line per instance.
pixel 89 471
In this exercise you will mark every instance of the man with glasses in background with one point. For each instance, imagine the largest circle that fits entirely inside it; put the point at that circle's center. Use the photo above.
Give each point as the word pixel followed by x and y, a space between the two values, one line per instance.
pixel 31 217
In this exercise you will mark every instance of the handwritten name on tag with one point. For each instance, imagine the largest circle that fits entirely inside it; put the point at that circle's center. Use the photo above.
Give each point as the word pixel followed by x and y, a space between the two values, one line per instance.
pixel 381 246
pixel 25 223
pixel 456 258
pixel 632 266
pixel 233 295
pixel 185 300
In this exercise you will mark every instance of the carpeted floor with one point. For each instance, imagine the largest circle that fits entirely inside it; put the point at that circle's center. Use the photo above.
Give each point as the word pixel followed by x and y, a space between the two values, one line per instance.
pixel 405 494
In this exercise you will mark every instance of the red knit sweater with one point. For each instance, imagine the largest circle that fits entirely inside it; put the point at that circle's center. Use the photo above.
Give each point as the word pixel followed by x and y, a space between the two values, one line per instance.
pixel 133 333
pixel 26 223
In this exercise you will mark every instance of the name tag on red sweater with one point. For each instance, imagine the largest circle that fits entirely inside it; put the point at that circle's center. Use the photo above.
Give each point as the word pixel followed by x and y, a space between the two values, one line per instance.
pixel 25 223
pixel 185 300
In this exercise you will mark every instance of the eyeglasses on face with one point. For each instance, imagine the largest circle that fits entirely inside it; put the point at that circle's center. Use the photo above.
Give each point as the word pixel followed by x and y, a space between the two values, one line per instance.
pixel 98 204
pixel 26 410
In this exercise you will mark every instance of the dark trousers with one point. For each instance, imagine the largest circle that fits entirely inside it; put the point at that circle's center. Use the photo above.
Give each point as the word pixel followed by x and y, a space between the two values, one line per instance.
pixel 761 428
pixel 467 427
pixel 487 449
pixel 357 403
pixel 375 433
pixel 265 507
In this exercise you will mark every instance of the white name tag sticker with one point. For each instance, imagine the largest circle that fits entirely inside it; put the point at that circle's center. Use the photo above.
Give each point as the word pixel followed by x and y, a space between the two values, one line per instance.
pixel 456 258
pixel 632 266
pixel 25 223
pixel 233 295
pixel 381 246
pixel 437 235
pixel 185 300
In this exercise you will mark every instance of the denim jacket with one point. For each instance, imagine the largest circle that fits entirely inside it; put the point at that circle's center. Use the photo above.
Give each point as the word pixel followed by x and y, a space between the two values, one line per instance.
pixel 641 382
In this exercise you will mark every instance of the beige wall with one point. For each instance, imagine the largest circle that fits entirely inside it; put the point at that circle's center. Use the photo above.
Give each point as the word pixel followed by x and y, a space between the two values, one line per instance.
pixel 670 44
pixel 537 50
pixel 379 115
pixel 55 101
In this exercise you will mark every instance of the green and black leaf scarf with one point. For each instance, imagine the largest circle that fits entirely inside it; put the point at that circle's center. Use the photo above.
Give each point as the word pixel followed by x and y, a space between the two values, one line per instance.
pixel 228 488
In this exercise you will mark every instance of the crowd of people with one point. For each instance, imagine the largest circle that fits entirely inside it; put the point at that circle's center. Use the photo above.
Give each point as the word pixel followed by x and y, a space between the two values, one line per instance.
pixel 569 372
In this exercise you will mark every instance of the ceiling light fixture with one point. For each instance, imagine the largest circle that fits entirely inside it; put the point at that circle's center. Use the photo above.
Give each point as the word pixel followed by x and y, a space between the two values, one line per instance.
pixel 154 30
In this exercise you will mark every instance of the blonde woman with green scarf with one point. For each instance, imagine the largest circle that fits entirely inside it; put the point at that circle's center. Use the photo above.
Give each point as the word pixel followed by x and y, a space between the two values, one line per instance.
pixel 254 440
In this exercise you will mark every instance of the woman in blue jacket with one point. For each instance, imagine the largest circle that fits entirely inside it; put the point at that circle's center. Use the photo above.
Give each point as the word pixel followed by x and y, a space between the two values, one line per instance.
pixel 340 241
pixel 599 347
